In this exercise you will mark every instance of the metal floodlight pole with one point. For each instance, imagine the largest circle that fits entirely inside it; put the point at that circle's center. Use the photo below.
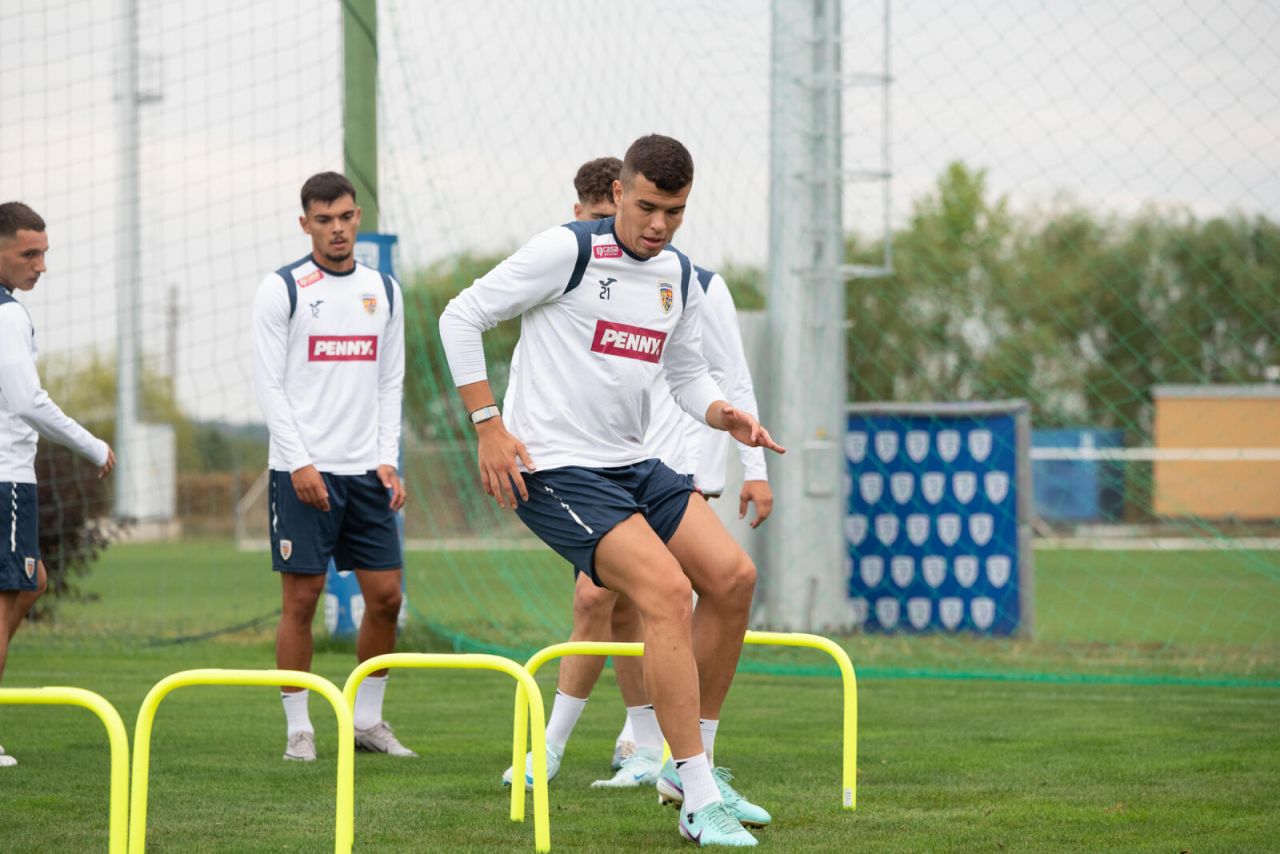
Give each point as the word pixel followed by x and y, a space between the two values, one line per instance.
pixel 360 105
pixel 128 302
pixel 804 584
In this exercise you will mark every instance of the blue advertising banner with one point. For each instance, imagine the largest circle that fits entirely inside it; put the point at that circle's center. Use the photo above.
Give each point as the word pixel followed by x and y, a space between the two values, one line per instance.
pixel 932 522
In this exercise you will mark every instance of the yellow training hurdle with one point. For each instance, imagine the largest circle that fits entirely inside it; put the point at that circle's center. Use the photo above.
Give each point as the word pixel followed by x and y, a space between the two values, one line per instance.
pixel 344 819
pixel 526 693
pixel 118 829
pixel 849 764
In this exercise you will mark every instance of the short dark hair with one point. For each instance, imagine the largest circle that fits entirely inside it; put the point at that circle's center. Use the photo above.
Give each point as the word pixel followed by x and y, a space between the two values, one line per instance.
pixel 662 160
pixel 594 181
pixel 15 217
pixel 326 187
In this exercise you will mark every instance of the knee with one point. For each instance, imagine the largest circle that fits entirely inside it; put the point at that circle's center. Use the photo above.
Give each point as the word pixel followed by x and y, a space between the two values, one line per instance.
pixel 384 604
pixel 42 582
pixel 300 605
pixel 592 611
pixel 735 581
pixel 669 599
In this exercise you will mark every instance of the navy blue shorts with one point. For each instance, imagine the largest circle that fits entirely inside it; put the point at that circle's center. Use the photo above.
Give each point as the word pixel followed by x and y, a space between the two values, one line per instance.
pixel 572 508
pixel 358 532
pixel 20 551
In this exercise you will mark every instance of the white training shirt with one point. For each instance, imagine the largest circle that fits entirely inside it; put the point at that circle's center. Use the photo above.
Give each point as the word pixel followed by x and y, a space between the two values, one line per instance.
pixel 328 367
pixel 598 327
pixel 26 411
pixel 686 445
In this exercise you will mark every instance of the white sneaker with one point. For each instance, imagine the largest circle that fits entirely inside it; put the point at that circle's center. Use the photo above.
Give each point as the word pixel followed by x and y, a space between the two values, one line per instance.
pixel 553 768
pixel 301 747
pixel 639 769
pixel 621 750
pixel 380 739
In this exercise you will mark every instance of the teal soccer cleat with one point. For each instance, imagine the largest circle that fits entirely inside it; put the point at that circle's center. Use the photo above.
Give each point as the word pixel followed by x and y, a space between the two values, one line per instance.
pixel 553 767
pixel 670 791
pixel 715 825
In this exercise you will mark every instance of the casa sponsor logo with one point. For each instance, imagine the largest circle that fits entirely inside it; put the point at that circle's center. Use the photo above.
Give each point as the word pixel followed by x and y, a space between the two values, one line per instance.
pixel 631 342
pixel 370 303
pixel 606 250
pixel 871 487
pixel 855 446
pixel 886 445
pixel 29 566
pixel 668 296
pixel 310 278
pixel 919 611
pixel 286 549
pixel 343 348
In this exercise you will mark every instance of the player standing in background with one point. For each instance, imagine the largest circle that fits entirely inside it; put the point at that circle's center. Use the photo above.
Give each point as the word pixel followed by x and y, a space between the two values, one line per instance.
pixel 26 412
pixel 578 410
pixel 328 358
pixel 687 446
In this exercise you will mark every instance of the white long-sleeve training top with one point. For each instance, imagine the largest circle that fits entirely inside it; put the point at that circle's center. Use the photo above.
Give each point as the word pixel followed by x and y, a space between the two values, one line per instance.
pixel 26 410
pixel 328 367
pixel 598 327
pixel 689 446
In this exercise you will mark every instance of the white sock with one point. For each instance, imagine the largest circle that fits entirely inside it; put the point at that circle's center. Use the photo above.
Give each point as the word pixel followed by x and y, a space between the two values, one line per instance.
pixel 296 717
pixel 369 701
pixel 709 739
pixel 628 732
pixel 699 786
pixel 564 717
pixel 644 725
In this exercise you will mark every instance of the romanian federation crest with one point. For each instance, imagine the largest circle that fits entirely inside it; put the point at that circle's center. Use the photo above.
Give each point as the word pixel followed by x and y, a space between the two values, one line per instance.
pixel 668 296
pixel 286 549
pixel 902 569
pixel 871 570
pixel 29 566
pixel 370 303
pixel 966 570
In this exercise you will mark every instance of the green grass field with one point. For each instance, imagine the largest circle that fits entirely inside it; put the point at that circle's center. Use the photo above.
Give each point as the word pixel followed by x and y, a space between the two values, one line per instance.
pixel 944 765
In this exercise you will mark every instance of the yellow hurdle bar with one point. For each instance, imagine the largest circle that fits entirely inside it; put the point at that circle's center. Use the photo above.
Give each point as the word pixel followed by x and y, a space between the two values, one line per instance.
pixel 849 776
pixel 118 826
pixel 526 693
pixel 344 818
pixel 849 765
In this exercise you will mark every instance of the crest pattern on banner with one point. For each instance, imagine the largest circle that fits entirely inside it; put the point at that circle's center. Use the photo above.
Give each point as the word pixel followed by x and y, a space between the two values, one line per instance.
pixel 996 485
pixel 886 445
pixel 887 610
pixel 887 528
pixel 871 487
pixel 983 611
pixel 917 528
pixel 966 567
pixel 902 569
pixel 980 445
pixel 871 568
pixel 933 485
pixel 964 485
pixel 855 446
pixel 999 568
pixel 919 611
pixel 902 485
pixel 948 525
pixel 948 444
pixel 855 529
pixel 917 445
pixel 951 611
pixel 934 570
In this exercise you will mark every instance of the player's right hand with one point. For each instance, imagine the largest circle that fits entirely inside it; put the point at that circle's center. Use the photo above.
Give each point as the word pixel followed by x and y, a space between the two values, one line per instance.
pixel 105 468
pixel 310 487
pixel 497 454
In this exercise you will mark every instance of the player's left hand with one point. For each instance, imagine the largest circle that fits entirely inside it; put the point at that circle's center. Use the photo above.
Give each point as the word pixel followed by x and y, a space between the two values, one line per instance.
pixel 756 492
pixel 391 480
pixel 744 427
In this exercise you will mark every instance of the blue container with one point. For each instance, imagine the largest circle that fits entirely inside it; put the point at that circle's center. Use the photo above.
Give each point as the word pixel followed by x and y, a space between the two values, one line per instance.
pixel 1078 490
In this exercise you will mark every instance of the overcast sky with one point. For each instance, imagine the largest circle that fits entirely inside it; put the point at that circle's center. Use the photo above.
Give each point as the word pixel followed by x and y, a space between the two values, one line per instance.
pixel 488 107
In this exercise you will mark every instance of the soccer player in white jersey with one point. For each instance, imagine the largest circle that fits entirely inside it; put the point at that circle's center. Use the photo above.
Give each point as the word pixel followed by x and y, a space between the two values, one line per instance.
pixel 604 307
pixel 686 446
pixel 26 413
pixel 328 359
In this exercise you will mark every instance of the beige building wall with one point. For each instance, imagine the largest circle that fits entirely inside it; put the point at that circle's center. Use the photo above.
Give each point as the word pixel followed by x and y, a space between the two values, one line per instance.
pixel 1217 417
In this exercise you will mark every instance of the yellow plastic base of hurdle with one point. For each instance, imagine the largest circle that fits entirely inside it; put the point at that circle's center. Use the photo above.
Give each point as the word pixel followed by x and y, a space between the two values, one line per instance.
pixel 345 808
pixel 526 694
pixel 118 827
